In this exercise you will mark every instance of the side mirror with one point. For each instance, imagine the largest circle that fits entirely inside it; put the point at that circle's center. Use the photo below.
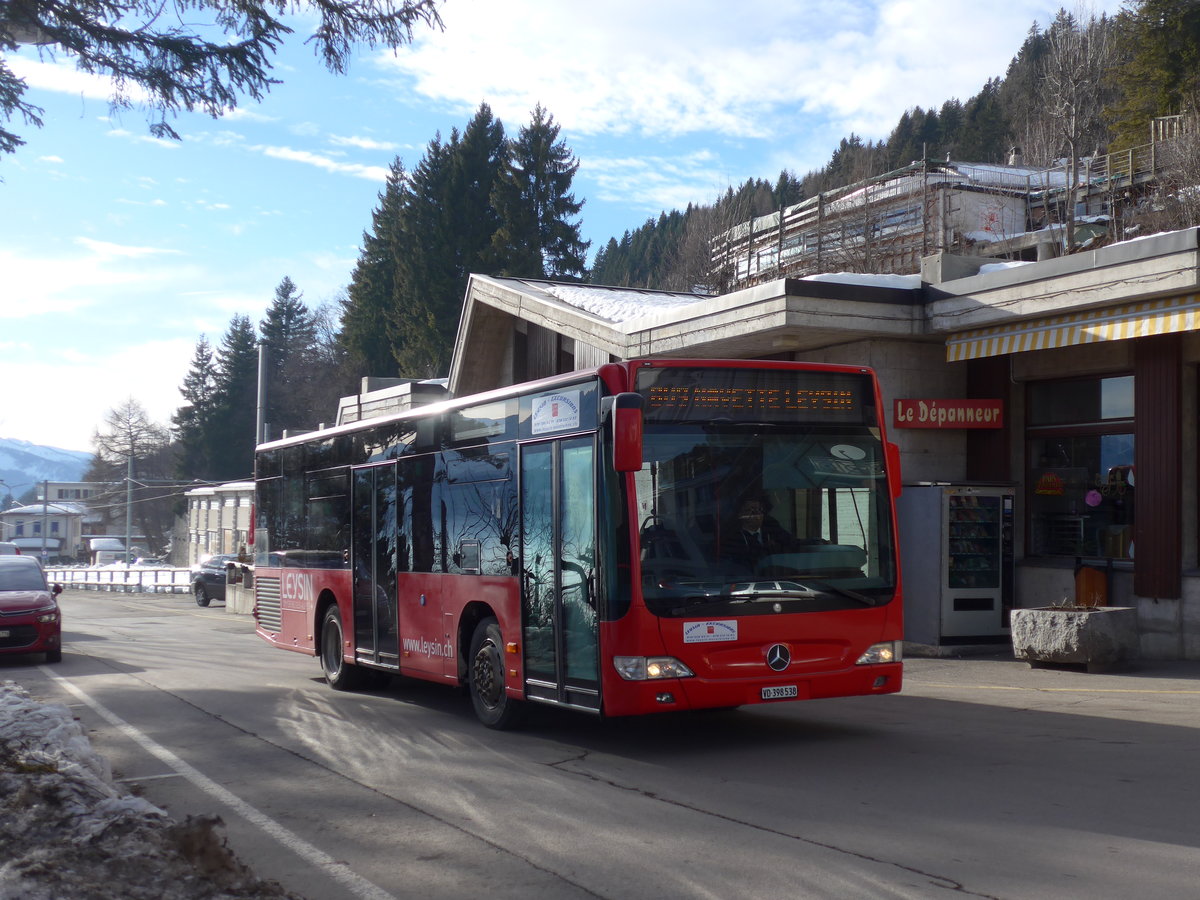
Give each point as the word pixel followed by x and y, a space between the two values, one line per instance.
pixel 893 468
pixel 56 589
pixel 625 426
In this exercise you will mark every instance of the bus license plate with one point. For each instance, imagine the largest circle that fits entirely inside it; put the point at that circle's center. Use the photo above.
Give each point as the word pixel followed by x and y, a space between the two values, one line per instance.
pixel 783 692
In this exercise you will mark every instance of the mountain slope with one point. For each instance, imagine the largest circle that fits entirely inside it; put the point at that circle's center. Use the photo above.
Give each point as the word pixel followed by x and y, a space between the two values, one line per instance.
pixel 23 464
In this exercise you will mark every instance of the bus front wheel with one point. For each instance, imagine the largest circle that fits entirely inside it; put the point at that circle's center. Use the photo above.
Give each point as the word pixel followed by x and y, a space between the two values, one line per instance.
pixel 493 706
pixel 339 675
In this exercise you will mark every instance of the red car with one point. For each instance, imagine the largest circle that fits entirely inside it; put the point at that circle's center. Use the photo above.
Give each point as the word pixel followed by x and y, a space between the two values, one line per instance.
pixel 30 620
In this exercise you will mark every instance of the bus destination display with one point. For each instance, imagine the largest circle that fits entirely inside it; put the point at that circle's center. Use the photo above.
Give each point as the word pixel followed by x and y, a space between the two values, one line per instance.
pixel 748 395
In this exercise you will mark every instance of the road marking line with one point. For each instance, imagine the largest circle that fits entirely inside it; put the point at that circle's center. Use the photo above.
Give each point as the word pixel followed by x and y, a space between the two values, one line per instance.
pixel 1047 690
pixel 342 873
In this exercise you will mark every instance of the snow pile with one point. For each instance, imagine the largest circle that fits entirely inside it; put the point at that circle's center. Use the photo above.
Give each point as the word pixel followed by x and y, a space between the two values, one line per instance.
pixel 67 830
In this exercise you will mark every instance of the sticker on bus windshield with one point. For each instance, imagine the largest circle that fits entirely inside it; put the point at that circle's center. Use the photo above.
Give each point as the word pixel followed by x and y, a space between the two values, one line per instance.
pixel 708 632
pixel 556 412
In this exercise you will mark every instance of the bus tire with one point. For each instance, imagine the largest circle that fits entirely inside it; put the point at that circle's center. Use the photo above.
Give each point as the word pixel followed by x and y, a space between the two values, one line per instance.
pixel 485 678
pixel 339 674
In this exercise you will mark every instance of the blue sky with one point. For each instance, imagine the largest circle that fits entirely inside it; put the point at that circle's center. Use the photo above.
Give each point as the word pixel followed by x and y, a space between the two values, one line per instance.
pixel 118 251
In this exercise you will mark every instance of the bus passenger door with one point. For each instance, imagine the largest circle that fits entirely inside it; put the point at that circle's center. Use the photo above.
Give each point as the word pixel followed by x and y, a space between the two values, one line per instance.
pixel 424 644
pixel 558 572
pixel 373 561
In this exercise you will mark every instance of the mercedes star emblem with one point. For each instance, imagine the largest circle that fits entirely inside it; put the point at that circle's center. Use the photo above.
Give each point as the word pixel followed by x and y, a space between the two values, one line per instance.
pixel 778 657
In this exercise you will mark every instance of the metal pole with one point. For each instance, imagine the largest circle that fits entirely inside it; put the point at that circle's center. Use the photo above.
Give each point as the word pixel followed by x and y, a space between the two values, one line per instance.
pixel 260 429
pixel 129 506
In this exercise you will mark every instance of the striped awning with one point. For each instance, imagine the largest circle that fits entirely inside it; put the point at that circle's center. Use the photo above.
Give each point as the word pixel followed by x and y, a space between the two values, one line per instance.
pixel 1113 323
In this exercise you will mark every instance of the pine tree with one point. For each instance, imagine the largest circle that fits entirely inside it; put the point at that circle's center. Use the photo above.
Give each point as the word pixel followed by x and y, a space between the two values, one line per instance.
pixel 475 166
pixel 289 332
pixel 1160 75
pixel 426 301
pixel 235 402
pixel 369 299
pixel 195 417
pixel 950 120
pixel 537 237
pixel 986 130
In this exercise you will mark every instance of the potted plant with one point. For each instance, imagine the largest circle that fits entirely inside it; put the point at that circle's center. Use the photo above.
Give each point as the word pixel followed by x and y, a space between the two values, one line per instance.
pixel 1081 631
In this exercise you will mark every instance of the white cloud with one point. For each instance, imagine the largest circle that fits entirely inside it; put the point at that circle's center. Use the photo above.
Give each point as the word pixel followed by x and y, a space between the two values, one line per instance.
pixel 241 113
pixel 48 284
pixel 106 250
pixel 156 202
pixel 362 143
pixel 677 67
pixel 658 182
pixel 62 77
pixel 165 143
pixel 358 170
pixel 87 385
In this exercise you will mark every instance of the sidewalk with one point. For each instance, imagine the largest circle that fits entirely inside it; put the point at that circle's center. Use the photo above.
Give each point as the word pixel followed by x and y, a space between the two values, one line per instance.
pixel 1160 691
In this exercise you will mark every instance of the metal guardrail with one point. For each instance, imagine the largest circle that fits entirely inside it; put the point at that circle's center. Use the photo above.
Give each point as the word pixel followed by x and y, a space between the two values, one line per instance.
pixel 135 579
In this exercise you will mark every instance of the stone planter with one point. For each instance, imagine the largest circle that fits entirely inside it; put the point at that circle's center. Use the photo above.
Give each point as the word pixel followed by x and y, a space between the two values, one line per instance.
pixel 1096 637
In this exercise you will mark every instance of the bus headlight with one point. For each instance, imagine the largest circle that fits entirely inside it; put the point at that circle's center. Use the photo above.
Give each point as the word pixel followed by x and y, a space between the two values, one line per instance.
pixel 649 668
pixel 888 652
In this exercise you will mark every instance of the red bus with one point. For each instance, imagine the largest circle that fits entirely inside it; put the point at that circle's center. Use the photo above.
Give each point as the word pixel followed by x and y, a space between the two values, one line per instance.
pixel 585 541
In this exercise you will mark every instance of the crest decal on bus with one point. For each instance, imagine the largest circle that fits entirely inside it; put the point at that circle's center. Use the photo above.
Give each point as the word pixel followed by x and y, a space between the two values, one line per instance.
pixel 556 412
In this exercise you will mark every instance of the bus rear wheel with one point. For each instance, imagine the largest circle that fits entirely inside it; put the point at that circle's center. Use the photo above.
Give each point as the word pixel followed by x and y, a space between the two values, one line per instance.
pixel 339 674
pixel 493 706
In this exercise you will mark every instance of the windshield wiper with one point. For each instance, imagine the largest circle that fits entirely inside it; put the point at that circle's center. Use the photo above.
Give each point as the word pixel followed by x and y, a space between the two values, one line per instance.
pixel 693 600
pixel 843 592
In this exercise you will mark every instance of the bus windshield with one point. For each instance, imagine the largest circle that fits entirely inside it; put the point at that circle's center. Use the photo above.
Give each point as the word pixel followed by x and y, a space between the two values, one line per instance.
pixel 755 518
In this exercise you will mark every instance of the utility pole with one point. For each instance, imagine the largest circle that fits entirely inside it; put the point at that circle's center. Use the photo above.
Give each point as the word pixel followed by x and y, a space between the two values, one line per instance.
pixel 45 517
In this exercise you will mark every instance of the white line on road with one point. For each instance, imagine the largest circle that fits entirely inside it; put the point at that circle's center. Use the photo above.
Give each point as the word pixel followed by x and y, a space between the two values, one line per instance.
pixel 342 873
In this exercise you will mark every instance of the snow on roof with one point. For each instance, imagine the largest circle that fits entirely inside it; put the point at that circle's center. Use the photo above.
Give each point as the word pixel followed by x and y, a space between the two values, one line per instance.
pixel 901 282
pixel 52 509
pixel 619 304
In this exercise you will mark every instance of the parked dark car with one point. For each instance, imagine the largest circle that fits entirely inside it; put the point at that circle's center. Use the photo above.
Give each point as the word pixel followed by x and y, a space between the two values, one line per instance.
pixel 209 577
pixel 30 620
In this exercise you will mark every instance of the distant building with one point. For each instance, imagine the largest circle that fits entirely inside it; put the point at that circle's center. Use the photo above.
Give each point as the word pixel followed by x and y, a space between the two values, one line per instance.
pixel 53 532
pixel 218 519
pixel 56 491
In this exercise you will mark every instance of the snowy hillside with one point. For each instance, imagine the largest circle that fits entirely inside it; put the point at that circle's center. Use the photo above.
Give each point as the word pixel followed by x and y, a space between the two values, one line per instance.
pixel 23 464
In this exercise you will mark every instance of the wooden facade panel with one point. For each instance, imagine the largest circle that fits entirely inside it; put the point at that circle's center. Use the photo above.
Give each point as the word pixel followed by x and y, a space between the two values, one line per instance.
pixel 1158 364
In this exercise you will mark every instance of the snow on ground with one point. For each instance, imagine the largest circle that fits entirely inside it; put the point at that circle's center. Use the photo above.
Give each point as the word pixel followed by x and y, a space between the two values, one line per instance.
pixel 68 830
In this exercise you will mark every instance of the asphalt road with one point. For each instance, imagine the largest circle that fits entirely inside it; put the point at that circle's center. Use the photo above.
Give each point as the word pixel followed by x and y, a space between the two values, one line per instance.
pixel 984 778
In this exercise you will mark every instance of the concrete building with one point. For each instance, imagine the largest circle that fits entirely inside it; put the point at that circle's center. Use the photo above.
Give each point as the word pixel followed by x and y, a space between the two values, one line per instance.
pixel 52 532
pixel 1092 360
pixel 218 519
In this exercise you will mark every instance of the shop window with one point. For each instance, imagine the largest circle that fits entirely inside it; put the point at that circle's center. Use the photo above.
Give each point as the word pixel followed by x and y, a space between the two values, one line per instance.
pixel 1081 482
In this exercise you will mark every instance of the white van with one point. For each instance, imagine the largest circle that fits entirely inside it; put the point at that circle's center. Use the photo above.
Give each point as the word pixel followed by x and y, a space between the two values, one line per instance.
pixel 108 557
pixel 8 548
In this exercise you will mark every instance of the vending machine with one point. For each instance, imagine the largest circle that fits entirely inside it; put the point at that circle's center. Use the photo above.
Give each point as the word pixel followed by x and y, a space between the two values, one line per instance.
pixel 956 554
